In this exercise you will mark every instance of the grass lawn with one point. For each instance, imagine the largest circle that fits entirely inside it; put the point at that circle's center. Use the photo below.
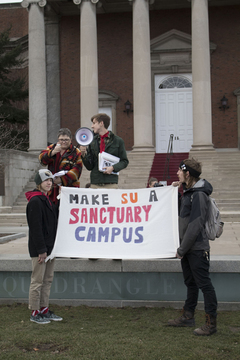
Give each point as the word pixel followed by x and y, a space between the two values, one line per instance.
pixel 110 333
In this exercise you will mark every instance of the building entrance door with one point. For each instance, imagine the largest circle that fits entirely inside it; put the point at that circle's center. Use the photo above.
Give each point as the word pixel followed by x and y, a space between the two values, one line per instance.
pixel 173 112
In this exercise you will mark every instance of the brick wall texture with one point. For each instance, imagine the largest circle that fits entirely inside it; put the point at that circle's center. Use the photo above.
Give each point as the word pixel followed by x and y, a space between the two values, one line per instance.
pixel 115 63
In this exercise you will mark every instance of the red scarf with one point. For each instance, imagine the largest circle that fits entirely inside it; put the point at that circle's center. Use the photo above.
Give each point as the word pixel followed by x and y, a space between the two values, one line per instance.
pixel 102 142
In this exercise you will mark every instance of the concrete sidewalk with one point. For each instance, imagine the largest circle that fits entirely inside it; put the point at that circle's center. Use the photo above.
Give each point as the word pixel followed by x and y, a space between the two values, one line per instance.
pixel 228 244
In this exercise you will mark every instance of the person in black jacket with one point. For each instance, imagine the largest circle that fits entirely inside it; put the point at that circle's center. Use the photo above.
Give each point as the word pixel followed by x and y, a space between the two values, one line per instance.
pixel 194 247
pixel 42 217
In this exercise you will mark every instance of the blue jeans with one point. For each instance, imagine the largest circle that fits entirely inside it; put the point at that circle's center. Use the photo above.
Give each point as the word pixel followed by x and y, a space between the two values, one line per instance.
pixel 195 266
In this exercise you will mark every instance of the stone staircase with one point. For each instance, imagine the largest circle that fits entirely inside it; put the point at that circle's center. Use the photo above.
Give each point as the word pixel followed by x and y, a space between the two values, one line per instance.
pixel 221 169
pixel 133 177
pixel 16 215
pixel 165 166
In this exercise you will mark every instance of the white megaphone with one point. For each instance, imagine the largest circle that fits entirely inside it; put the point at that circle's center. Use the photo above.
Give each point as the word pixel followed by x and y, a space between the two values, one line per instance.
pixel 84 136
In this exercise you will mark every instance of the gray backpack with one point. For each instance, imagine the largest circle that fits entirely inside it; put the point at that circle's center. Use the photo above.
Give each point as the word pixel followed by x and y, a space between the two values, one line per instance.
pixel 213 224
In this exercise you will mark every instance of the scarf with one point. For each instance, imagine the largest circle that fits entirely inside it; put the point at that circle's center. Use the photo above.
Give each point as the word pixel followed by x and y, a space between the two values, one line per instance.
pixel 102 142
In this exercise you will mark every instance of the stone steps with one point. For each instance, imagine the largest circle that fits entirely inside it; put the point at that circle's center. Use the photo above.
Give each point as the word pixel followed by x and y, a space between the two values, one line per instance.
pixel 217 169
pixel 222 170
pixel 230 216
pixel 13 219
pixel 228 207
pixel 129 178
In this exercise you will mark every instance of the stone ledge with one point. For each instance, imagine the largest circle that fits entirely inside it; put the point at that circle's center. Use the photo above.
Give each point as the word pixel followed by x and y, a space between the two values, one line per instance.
pixel 218 264
pixel 7 238
pixel 222 306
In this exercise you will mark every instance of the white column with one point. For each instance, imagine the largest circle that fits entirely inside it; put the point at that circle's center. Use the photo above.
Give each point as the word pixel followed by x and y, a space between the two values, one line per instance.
pixel 89 61
pixel 237 94
pixel 37 75
pixel 142 97
pixel 52 74
pixel 202 111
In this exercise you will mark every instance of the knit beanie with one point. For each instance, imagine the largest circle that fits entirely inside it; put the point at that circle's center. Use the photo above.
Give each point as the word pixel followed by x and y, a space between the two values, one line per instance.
pixel 42 175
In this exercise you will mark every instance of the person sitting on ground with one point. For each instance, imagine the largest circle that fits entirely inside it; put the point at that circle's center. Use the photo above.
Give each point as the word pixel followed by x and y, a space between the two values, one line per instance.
pixel 42 216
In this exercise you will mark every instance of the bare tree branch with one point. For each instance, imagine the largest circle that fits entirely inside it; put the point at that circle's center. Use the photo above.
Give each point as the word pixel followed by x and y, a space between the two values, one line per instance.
pixel 13 136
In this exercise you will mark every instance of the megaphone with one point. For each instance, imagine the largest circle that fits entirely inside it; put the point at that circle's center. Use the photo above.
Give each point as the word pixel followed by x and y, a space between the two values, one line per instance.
pixel 84 136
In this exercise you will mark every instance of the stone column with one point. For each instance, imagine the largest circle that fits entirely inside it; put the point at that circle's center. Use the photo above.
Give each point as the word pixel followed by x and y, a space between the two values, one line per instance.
pixel 88 60
pixel 202 110
pixel 53 74
pixel 37 75
pixel 142 92
pixel 237 94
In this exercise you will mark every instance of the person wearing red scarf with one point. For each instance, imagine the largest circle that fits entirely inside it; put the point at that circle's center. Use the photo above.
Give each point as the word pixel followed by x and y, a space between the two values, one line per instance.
pixel 104 140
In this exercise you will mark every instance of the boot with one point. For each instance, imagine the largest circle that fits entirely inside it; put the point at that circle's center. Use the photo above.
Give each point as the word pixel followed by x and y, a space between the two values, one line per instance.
pixel 209 328
pixel 187 319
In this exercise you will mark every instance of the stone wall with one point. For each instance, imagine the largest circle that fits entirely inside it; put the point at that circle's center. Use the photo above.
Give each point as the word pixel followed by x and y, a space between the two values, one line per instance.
pixel 150 283
pixel 19 167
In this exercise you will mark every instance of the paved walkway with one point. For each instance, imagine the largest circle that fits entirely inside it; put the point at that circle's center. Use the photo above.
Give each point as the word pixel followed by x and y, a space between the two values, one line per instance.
pixel 227 244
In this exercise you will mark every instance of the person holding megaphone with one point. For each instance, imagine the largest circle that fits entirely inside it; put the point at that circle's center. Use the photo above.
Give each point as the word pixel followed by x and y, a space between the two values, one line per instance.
pixel 104 141
pixel 64 161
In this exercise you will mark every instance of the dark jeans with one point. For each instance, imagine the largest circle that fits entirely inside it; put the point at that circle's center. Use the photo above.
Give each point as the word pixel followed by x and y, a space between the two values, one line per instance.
pixel 195 266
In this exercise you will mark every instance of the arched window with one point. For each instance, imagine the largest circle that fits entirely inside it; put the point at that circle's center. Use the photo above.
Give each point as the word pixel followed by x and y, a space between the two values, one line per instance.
pixel 178 82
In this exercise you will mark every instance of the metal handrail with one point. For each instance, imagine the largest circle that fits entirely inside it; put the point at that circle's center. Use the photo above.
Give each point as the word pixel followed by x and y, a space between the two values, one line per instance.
pixel 167 161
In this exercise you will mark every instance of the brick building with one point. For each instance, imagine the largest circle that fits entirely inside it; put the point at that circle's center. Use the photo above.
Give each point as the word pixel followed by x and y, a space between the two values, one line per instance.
pixel 173 60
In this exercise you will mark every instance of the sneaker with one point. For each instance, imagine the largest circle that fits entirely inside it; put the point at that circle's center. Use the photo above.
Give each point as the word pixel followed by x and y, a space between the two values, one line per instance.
pixel 51 316
pixel 39 319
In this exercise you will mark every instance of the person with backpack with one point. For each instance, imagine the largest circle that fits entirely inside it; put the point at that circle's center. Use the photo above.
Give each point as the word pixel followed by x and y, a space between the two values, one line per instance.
pixel 194 247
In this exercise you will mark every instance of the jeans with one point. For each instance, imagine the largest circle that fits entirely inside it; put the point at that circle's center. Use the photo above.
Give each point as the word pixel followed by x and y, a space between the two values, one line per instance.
pixel 41 281
pixel 195 266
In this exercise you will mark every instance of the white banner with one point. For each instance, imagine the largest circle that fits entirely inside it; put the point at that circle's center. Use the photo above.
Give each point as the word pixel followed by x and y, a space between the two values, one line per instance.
pixel 117 224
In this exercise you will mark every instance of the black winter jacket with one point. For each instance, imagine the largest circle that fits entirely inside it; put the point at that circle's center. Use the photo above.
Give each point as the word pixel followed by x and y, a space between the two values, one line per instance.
pixel 193 213
pixel 42 217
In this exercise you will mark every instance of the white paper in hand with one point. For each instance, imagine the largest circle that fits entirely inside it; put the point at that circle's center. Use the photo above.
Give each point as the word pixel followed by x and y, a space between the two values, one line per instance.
pixel 60 173
pixel 106 160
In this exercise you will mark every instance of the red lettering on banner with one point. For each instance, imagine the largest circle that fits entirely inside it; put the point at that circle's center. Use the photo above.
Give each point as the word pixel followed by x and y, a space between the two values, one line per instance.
pixel 93 218
pixel 147 209
pixel 111 210
pixel 137 211
pixel 129 216
pixel 120 218
pixel 84 217
pixel 74 213
pixel 110 215
pixel 102 219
